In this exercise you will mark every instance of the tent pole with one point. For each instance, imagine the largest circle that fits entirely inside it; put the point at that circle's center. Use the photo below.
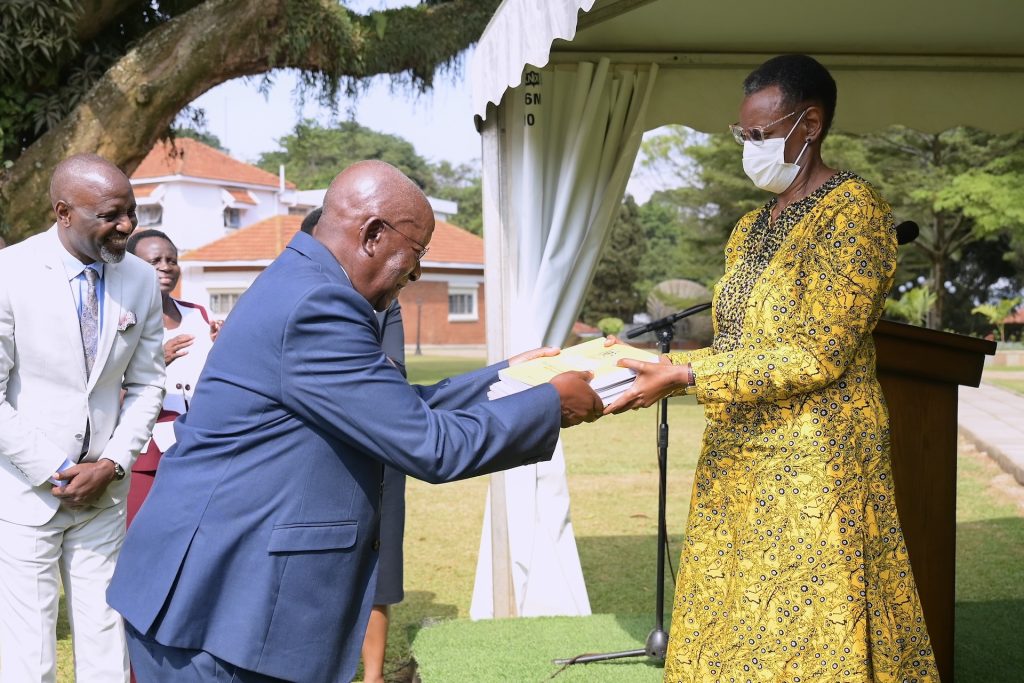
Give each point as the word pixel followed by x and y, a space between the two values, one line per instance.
pixel 497 282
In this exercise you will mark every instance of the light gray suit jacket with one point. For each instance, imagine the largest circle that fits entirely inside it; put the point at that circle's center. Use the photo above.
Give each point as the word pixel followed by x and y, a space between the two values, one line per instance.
pixel 45 395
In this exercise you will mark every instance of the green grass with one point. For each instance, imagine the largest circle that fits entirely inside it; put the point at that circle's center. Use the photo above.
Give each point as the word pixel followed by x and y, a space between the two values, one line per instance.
pixel 1014 385
pixel 523 650
pixel 613 483
pixel 989 574
pixel 1009 377
pixel 432 369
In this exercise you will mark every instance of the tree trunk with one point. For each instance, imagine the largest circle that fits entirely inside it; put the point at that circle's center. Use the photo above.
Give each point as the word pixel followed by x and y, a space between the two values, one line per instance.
pixel 938 279
pixel 134 103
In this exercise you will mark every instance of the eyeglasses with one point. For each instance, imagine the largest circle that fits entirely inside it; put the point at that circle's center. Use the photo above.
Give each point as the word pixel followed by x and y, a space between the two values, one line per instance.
pixel 420 252
pixel 756 134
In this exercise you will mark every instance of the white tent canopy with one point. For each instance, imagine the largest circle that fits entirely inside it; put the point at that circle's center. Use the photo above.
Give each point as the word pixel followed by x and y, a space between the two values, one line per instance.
pixel 929 64
pixel 562 91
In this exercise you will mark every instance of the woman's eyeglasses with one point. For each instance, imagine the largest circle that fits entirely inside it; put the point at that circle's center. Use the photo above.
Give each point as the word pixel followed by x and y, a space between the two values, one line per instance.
pixel 755 134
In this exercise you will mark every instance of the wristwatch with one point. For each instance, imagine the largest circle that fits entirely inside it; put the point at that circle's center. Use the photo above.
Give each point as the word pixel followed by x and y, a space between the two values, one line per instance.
pixel 118 470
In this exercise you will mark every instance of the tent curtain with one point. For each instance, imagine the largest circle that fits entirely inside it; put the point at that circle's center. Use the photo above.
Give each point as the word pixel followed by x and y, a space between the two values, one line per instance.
pixel 570 139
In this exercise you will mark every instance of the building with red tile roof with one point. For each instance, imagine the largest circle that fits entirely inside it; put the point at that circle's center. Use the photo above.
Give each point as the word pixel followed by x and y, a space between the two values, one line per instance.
pixel 443 308
pixel 186 157
pixel 197 194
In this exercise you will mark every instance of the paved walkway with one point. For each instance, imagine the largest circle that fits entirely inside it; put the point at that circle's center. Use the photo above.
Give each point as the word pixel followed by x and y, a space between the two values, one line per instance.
pixel 993 419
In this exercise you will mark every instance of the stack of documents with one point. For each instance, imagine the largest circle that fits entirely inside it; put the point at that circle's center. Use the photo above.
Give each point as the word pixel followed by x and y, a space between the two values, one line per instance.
pixel 593 356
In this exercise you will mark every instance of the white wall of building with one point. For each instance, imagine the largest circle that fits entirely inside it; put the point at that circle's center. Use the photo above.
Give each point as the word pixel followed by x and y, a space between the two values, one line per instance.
pixel 193 209
pixel 197 284
pixel 193 214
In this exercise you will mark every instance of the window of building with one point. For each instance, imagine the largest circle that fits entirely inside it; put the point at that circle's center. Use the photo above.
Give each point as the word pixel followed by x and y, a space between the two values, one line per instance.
pixel 221 303
pixel 232 218
pixel 150 215
pixel 462 303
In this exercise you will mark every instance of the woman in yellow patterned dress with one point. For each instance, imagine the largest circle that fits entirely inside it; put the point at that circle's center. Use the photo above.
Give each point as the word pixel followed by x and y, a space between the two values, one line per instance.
pixel 794 566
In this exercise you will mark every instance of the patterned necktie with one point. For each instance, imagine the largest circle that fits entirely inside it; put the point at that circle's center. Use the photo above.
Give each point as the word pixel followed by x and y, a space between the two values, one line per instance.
pixel 89 318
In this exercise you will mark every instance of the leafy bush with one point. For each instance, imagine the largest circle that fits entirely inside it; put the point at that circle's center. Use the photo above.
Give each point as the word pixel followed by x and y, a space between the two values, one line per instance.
pixel 610 325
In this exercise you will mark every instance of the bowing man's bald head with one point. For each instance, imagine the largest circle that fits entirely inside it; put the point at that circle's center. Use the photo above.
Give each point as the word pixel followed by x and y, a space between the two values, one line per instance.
pixel 377 223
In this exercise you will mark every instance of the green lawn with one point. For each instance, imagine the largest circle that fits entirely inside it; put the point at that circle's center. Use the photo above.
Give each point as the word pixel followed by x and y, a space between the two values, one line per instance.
pixel 432 369
pixel 989 571
pixel 613 483
pixel 1014 385
pixel 1008 377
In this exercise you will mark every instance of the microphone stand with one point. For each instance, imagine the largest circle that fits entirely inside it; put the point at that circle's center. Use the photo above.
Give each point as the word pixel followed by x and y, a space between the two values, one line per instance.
pixel 657 640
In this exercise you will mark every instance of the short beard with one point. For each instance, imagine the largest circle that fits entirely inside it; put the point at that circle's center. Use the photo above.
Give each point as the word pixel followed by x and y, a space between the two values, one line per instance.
pixel 108 256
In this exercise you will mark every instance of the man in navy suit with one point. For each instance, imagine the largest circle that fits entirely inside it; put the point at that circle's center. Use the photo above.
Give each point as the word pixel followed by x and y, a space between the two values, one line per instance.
pixel 254 557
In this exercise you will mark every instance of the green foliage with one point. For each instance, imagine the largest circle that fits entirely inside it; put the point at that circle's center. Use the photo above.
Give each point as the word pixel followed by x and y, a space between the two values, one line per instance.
pixel 997 313
pixel 687 227
pixel 913 306
pixel 461 184
pixel 612 292
pixel 965 189
pixel 39 34
pixel 312 155
pixel 662 236
pixel 960 186
pixel 610 325
pixel 204 136
pixel 671 301
pixel 991 196
pixel 53 51
pixel 982 273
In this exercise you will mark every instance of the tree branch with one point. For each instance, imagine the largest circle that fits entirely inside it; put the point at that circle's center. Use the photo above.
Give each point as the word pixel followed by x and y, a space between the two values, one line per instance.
pixel 134 103
pixel 96 15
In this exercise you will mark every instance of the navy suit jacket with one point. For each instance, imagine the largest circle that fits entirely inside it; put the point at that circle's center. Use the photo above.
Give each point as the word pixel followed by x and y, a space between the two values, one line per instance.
pixel 258 541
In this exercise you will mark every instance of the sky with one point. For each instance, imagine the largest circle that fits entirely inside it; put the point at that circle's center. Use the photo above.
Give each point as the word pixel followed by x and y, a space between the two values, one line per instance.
pixel 438 123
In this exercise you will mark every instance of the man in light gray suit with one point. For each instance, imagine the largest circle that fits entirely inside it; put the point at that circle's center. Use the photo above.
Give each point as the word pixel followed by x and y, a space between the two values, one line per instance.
pixel 78 321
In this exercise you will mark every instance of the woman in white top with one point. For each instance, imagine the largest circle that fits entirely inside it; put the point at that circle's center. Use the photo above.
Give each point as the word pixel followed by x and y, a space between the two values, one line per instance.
pixel 188 337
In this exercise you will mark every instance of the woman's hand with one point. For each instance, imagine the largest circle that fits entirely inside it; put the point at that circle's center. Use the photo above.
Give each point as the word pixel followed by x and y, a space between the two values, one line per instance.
pixel 175 347
pixel 535 353
pixel 215 329
pixel 654 381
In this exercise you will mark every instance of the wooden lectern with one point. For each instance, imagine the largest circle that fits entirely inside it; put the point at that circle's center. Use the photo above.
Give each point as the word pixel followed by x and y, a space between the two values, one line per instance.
pixel 921 371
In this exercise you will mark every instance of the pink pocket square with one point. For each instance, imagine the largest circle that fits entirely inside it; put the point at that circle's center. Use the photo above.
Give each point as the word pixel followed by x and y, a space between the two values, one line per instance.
pixel 126 321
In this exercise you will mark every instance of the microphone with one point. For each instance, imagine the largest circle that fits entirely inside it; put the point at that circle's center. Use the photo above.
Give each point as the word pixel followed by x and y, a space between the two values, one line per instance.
pixel 668 320
pixel 907 232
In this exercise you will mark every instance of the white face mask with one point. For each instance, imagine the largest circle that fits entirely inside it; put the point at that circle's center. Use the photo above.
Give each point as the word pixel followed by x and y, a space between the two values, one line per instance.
pixel 766 166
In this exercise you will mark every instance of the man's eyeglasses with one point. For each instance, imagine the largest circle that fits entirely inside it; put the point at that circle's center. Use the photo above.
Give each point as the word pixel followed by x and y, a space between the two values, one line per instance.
pixel 420 252
pixel 755 134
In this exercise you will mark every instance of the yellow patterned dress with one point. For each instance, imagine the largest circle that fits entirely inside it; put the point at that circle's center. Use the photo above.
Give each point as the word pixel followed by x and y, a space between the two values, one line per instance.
pixel 794 566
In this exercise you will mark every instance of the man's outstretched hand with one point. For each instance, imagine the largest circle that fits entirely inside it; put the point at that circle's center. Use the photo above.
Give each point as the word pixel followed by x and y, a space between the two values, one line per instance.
pixel 580 403
pixel 534 353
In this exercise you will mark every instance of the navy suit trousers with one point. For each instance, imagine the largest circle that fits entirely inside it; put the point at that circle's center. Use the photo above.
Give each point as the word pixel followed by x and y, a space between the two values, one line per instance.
pixel 156 663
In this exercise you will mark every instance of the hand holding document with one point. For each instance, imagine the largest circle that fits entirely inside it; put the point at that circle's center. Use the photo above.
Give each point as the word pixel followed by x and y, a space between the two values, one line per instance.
pixel 609 380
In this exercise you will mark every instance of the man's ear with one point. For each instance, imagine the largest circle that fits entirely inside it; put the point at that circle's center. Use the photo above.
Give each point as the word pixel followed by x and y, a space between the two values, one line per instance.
pixel 63 211
pixel 369 236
